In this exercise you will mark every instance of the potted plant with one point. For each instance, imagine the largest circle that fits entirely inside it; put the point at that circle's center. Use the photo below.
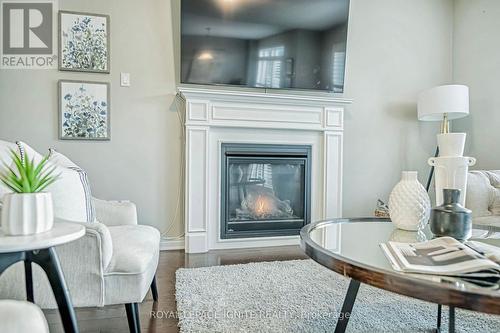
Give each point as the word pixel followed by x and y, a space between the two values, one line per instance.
pixel 27 210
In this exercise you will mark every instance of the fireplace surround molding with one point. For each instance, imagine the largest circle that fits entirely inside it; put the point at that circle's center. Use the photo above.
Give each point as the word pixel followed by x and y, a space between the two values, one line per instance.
pixel 217 116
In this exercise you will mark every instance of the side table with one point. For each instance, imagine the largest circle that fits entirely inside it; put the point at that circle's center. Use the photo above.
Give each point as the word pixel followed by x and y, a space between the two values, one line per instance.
pixel 39 249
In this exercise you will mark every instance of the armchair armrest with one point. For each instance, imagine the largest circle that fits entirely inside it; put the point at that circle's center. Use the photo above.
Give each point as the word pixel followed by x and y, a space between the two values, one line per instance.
pixel 83 262
pixel 115 212
pixel 96 235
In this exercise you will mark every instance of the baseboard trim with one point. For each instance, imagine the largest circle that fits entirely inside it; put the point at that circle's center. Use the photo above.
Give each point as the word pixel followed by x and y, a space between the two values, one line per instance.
pixel 171 244
pixel 168 244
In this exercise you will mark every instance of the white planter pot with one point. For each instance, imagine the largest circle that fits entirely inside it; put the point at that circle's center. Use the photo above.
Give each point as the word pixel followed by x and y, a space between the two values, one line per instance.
pixel 409 203
pixel 451 172
pixel 27 213
pixel 451 144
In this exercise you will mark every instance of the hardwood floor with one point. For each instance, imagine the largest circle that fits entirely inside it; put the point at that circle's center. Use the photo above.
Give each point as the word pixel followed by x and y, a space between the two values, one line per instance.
pixel 113 319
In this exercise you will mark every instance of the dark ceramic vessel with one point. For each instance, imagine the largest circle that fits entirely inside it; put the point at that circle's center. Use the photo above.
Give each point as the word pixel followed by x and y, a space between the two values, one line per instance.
pixel 451 218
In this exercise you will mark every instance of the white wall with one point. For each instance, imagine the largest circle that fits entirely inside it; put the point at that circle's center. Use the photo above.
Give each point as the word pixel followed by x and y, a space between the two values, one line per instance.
pixel 142 161
pixel 395 49
pixel 476 63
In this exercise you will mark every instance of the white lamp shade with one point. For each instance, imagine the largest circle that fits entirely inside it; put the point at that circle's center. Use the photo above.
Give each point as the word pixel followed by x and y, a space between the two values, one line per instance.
pixel 435 102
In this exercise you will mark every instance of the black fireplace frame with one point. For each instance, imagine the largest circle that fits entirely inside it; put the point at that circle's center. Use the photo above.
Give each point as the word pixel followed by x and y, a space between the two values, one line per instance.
pixel 264 152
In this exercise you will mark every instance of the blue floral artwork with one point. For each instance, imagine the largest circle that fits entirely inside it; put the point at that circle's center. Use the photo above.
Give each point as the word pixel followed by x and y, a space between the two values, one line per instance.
pixel 84 42
pixel 84 110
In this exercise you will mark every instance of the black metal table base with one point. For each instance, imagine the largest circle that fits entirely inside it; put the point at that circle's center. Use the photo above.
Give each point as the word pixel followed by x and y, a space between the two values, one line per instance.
pixel 451 319
pixel 438 324
pixel 350 298
pixel 28 276
pixel 47 259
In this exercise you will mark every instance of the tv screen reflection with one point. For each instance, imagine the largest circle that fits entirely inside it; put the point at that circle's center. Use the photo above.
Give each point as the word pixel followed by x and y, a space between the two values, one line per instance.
pixel 282 44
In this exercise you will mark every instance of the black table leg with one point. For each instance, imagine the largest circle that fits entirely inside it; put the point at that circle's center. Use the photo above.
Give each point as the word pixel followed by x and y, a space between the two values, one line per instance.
pixel 349 299
pixel 9 259
pixel 47 259
pixel 154 289
pixel 134 324
pixel 28 276
pixel 451 327
pixel 438 325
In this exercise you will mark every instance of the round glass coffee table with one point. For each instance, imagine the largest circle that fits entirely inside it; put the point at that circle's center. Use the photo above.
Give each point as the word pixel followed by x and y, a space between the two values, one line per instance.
pixel 351 247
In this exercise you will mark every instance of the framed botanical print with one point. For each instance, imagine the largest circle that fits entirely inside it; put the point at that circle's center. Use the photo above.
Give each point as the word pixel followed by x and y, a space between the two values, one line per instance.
pixel 84 110
pixel 84 42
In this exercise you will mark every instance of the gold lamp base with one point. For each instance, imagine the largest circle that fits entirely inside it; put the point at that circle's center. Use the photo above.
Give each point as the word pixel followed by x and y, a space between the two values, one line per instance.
pixel 445 124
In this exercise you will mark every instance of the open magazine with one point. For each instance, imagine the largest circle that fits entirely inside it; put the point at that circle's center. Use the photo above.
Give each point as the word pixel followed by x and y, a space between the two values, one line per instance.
pixel 445 256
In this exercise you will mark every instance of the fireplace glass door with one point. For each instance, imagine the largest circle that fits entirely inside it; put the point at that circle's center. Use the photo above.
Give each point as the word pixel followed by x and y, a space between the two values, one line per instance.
pixel 265 190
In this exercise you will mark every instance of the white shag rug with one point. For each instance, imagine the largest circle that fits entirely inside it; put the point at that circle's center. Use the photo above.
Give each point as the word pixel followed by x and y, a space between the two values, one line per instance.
pixel 300 296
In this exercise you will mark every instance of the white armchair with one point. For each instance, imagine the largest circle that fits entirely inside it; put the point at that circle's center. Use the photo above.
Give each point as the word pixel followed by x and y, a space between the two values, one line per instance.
pixel 114 263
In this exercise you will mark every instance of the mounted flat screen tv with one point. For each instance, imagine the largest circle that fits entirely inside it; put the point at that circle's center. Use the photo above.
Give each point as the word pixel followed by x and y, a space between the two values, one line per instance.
pixel 282 44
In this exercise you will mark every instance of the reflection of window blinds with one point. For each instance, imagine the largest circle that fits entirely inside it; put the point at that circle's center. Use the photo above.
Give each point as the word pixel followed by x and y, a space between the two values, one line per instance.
pixel 269 67
pixel 338 71
pixel 268 176
pixel 261 172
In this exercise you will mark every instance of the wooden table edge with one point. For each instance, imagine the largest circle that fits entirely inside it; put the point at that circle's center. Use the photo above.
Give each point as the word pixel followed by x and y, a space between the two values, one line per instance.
pixel 396 282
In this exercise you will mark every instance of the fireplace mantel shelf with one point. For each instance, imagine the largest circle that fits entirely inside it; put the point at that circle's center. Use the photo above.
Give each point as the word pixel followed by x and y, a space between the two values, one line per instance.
pixel 264 94
pixel 255 109
pixel 218 116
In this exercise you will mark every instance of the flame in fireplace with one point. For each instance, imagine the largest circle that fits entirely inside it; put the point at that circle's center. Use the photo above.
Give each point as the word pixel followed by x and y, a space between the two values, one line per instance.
pixel 261 203
pixel 261 206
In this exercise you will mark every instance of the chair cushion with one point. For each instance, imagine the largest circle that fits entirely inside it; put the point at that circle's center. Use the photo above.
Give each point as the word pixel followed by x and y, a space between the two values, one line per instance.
pixel 20 317
pixel 79 181
pixel 71 192
pixel 494 176
pixel 136 250
pixel 479 193
pixel 5 148
pixel 495 202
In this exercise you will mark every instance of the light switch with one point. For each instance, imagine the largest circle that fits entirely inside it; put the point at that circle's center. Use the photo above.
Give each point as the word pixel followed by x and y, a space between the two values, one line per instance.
pixel 125 79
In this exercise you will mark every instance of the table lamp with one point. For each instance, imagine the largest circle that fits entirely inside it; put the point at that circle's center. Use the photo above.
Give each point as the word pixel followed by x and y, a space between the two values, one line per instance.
pixel 445 103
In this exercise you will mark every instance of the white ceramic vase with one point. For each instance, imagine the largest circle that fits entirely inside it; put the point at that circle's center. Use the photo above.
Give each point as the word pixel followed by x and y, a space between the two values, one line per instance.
pixel 451 172
pixel 27 213
pixel 451 144
pixel 409 203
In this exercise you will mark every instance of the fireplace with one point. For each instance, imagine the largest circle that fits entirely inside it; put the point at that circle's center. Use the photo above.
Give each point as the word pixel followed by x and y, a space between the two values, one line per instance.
pixel 279 128
pixel 265 190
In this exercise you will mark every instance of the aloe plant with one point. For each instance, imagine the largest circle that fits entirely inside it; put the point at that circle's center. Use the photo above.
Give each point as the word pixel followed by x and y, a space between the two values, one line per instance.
pixel 30 177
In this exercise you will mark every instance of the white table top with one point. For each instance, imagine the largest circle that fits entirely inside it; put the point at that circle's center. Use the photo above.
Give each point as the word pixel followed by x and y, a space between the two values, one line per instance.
pixel 62 232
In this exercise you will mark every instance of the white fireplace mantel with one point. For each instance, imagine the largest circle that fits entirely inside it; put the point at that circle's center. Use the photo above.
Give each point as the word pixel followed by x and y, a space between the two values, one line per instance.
pixel 216 116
